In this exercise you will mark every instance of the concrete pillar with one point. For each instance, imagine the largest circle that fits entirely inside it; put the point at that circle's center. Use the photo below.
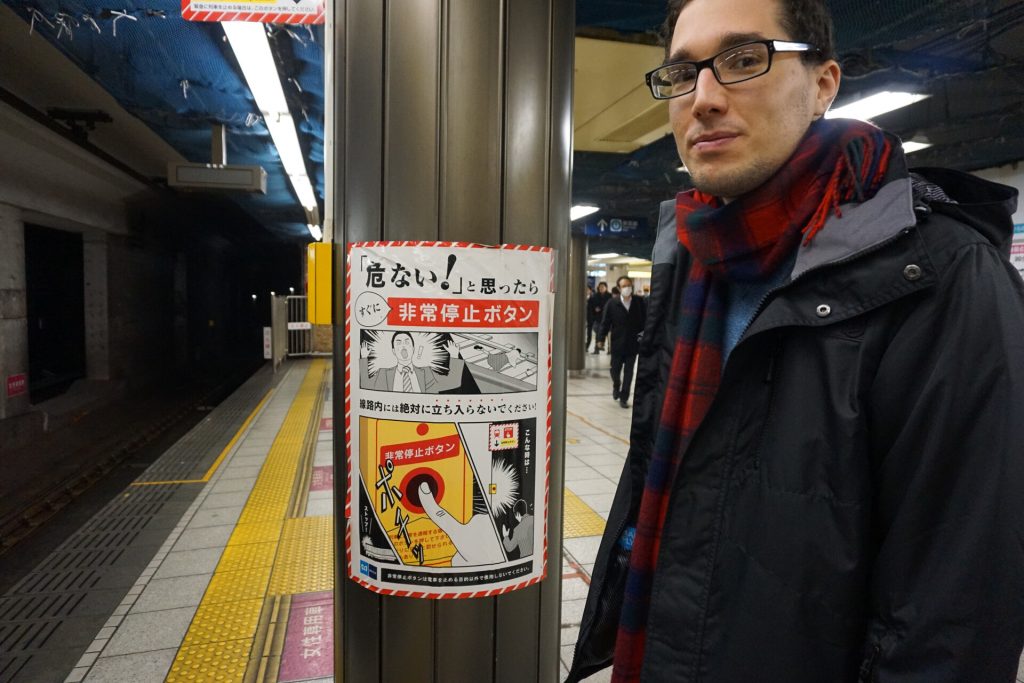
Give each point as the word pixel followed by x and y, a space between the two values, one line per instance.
pixel 577 285
pixel 13 315
pixel 97 314
pixel 452 122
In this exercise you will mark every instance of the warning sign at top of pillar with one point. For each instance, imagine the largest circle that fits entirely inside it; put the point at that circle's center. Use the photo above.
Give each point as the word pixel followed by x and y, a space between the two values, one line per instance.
pixel 448 417
pixel 263 11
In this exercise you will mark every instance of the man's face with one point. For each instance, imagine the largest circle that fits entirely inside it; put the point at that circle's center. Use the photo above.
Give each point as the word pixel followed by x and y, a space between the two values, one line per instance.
pixel 733 138
pixel 403 348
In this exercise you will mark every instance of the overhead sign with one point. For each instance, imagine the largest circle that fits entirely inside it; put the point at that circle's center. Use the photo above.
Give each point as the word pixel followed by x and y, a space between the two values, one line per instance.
pixel 262 11
pixel 610 226
pixel 448 417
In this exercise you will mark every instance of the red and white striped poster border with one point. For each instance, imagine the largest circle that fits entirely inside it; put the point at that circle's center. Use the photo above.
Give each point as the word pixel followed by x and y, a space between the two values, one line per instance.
pixel 262 17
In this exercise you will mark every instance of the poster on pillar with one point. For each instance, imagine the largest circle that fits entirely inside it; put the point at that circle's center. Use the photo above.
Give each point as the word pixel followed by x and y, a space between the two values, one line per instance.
pixel 263 11
pixel 448 416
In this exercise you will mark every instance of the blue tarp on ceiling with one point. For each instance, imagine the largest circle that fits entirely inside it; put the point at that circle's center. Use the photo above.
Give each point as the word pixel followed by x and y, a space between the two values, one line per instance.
pixel 179 77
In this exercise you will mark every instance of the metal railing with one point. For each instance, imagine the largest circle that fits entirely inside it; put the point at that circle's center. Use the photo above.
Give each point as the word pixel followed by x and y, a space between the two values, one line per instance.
pixel 300 330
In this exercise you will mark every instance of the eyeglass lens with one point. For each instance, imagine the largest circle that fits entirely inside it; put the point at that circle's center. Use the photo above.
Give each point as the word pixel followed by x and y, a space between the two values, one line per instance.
pixel 731 66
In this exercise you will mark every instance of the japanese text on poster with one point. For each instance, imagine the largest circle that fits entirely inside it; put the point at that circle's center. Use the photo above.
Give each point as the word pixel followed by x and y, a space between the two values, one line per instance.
pixel 448 392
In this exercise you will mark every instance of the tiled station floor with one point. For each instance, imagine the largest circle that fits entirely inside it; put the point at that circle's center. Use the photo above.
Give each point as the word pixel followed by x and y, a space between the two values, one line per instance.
pixel 241 589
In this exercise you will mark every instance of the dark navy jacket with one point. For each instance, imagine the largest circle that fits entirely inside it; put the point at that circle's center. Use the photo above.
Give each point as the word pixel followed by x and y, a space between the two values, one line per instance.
pixel 852 507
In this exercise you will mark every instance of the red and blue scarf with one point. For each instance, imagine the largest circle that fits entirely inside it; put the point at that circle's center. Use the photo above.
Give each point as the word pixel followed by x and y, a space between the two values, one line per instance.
pixel 837 161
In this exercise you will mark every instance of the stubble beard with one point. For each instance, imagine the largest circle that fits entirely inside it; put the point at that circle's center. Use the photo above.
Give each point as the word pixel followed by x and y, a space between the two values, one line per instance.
pixel 734 183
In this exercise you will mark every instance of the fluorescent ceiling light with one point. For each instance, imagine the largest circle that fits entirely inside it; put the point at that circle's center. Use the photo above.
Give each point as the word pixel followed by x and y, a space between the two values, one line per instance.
pixel 869 107
pixel 581 210
pixel 603 256
pixel 598 273
pixel 249 42
pixel 911 146
pixel 644 274
pixel 315 231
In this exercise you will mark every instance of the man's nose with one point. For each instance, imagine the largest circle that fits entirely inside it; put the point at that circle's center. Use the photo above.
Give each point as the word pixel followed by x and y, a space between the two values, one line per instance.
pixel 710 96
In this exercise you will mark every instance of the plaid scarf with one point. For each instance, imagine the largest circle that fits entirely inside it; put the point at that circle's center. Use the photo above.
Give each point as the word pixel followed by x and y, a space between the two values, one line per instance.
pixel 837 161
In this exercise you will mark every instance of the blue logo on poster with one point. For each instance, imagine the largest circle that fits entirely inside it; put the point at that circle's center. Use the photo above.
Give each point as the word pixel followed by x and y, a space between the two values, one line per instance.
pixel 615 225
pixel 367 569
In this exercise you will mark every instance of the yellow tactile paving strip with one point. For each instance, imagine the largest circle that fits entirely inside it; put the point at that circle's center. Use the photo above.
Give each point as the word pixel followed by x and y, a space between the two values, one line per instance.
pixel 219 641
pixel 579 519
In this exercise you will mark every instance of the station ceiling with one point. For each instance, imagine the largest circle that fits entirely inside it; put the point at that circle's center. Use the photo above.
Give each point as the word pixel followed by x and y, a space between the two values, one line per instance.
pixel 177 78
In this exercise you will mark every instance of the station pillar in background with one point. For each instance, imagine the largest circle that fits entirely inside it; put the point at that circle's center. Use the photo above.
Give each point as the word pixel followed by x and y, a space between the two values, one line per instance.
pixel 450 120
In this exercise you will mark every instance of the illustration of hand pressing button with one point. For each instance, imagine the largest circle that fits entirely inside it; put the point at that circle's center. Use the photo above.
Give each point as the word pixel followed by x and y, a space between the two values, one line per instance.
pixel 474 541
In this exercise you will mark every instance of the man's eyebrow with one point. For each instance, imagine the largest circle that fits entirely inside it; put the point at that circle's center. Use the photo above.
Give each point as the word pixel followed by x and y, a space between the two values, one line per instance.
pixel 724 42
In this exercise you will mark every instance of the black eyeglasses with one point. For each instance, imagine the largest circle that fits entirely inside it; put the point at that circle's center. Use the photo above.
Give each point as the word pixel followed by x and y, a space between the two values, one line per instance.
pixel 733 65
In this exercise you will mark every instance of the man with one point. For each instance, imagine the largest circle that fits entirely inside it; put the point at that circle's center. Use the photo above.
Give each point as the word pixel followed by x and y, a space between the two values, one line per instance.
pixel 595 312
pixel 825 482
pixel 624 317
pixel 406 377
pixel 519 538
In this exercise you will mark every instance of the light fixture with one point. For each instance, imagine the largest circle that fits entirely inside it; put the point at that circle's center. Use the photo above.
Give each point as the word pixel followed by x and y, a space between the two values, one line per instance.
pixel 315 231
pixel 249 42
pixel 603 256
pixel 273 293
pixel 581 210
pixel 291 290
pixel 597 273
pixel 643 274
pixel 911 146
pixel 871 106
pixel 254 297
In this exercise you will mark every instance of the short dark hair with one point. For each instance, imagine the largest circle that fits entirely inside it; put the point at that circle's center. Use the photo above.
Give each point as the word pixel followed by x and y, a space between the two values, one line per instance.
pixel 624 277
pixel 806 21
pixel 407 334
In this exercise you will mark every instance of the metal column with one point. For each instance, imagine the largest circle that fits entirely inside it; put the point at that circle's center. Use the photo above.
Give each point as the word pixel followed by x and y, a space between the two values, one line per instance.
pixel 452 121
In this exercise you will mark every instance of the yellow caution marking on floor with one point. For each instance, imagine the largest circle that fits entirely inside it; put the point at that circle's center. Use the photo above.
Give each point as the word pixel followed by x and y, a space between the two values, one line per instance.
pixel 243 575
pixel 247 556
pixel 215 622
pixel 305 561
pixel 617 437
pixel 579 519
pixel 223 454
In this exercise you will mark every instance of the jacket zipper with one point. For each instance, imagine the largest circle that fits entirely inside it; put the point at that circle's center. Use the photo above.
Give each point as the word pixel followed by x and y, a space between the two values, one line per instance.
pixel 867 667
pixel 768 378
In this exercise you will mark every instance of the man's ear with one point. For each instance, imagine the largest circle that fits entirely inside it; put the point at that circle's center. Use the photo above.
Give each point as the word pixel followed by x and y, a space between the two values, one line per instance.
pixel 828 77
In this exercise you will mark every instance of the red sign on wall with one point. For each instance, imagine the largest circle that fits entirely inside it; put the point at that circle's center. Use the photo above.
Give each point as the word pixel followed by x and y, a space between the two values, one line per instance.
pixel 17 385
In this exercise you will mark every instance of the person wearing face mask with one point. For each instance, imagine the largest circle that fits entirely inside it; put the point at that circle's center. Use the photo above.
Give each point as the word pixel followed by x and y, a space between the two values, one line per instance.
pixel 624 317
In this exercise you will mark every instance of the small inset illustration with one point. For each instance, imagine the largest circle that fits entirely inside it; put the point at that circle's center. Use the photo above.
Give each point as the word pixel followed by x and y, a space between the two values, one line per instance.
pixel 447 363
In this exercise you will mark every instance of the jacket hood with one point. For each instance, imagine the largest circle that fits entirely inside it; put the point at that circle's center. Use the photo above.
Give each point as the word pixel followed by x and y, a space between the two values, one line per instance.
pixel 986 206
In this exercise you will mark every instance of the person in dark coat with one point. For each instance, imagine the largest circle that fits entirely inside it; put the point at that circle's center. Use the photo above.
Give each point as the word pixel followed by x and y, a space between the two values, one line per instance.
pixel 595 312
pixel 825 478
pixel 624 317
